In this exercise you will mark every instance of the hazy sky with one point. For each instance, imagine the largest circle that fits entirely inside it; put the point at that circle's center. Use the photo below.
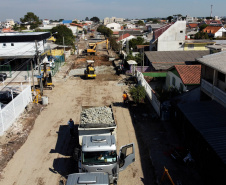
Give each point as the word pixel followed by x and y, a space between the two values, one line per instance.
pixel 80 9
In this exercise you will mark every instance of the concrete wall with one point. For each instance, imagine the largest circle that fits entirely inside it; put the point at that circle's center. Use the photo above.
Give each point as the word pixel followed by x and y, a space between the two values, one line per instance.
pixel 196 47
pixel 178 81
pixel 219 33
pixel 173 38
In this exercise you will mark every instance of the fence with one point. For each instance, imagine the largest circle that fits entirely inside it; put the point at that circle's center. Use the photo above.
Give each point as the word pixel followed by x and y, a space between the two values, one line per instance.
pixel 13 109
pixel 149 91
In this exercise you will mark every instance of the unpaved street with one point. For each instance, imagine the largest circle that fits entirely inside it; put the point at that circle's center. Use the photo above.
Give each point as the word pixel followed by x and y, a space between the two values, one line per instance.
pixel 45 158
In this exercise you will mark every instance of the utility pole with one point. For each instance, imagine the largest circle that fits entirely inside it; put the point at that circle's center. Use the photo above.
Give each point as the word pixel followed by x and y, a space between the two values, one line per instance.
pixel 143 61
pixel 211 11
pixel 32 72
pixel 39 68
pixel 64 48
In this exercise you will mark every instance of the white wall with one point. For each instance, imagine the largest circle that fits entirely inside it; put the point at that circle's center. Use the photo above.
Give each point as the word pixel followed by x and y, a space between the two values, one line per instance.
pixel 21 48
pixel 173 38
pixel 114 26
pixel 219 33
pixel 178 81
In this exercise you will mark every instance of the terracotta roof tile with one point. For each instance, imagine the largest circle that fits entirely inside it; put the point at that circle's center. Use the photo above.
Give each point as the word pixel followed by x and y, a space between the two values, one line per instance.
pixel 123 36
pixel 193 25
pixel 212 29
pixel 189 74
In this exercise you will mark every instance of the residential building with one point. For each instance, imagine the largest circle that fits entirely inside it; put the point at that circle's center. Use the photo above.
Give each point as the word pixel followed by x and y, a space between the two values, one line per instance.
pixel 125 37
pixel 183 77
pixel 170 37
pixel 45 21
pixel 189 19
pixel 108 20
pixel 114 26
pixel 162 61
pixel 215 31
pixel 9 23
pixel 22 45
pixel 211 22
pixel 213 82
pixel 197 45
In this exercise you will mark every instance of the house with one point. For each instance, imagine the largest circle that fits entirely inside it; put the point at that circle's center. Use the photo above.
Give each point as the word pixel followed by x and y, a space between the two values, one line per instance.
pixel 9 23
pixel 213 82
pixel 215 31
pixel 170 37
pixel 184 77
pixel 202 124
pixel 193 26
pixel 108 20
pixel 211 22
pixel 162 61
pixel 125 37
pixel 22 45
pixel 131 32
pixel 197 45
pixel 114 26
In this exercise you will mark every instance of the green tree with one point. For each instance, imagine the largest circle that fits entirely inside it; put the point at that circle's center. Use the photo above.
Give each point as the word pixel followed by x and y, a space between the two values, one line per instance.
pixel 95 19
pixel 62 31
pixel 137 58
pixel 169 18
pixel 114 44
pixel 155 21
pixel 107 32
pixel 203 26
pixel 137 93
pixel 31 19
pixel 134 42
pixel 201 35
pixel 140 22
pixel 87 19
pixel 75 22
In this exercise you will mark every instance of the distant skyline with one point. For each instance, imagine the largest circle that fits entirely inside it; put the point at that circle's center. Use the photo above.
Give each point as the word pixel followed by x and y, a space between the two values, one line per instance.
pixel 80 9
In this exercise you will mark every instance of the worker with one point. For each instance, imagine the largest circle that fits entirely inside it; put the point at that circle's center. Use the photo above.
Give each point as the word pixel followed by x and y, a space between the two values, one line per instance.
pixel 72 127
pixel 125 97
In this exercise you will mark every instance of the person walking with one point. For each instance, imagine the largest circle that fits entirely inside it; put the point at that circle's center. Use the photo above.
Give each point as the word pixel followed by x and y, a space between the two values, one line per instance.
pixel 72 127
pixel 125 97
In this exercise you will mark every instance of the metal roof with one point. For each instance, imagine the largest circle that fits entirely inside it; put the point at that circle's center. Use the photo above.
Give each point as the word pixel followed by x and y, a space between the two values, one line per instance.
pixel 209 119
pixel 163 60
pixel 216 61
pixel 88 178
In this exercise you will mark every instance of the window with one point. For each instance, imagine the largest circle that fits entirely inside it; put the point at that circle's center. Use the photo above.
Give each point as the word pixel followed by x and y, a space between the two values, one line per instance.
pixel 180 43
pixel 221 77
pixel 4 44
pixel 181 31
pixel 190 46
pixel 173 81
pixel 12 44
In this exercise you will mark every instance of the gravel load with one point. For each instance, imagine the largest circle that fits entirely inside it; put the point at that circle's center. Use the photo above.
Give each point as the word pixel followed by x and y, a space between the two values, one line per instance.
pixel 97 115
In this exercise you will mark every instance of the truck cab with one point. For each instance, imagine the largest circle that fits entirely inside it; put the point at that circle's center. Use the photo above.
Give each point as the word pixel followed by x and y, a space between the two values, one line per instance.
pixel 99 154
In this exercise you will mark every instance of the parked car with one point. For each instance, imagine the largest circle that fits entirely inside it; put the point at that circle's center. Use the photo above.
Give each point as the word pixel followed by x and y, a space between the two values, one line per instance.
pixel 3 76
pixel 6 96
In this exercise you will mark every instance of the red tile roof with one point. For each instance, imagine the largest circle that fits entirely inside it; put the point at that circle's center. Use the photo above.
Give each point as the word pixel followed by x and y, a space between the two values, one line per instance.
pixel 123 36
pixel 193 25
pixel 115 33
pixel 213 22
pixel 212 29
pixel 189 74
pixel 160 31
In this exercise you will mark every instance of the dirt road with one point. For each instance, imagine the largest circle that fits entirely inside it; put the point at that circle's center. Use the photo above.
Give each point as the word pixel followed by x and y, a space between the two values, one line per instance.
pixel 45 158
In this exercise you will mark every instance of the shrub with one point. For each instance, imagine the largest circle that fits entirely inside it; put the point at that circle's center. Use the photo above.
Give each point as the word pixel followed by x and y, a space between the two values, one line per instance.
pixel 137 93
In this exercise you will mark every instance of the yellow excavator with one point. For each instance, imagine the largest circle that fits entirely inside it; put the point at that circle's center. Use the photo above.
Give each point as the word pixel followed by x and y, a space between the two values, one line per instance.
pixel 90 70
pixel 94 45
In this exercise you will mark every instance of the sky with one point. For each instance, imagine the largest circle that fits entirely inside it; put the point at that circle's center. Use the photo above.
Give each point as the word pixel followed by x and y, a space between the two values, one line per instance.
pixel 131 9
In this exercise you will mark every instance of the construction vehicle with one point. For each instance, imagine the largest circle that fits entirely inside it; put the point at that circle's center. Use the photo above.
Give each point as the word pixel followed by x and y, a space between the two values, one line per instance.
pixel 93 50
pixel 90 70
pixel 97 151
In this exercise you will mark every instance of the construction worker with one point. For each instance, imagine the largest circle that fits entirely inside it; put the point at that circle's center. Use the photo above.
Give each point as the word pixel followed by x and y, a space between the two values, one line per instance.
pixel 125 97
pixel 72 127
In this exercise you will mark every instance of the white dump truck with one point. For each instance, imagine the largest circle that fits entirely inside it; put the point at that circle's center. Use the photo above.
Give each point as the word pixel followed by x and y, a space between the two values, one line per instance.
pixel 97 138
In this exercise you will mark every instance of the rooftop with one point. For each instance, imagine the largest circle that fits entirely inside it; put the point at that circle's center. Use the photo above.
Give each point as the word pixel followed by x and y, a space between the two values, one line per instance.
pixel 212 29
pixel 189 74
pixel 216 61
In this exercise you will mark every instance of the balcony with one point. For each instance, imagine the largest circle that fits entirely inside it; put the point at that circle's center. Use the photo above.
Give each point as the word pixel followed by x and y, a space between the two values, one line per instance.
pixel 216 93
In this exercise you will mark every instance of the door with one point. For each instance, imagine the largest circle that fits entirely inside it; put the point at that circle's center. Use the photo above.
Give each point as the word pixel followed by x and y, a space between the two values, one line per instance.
pixel 126 156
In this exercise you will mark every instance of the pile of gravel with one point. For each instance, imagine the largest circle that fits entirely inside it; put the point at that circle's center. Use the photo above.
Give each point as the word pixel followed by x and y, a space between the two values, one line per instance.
pixel 97 115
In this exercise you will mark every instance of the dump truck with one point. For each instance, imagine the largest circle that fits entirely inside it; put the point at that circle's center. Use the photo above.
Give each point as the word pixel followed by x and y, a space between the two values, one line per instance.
pixel 97 137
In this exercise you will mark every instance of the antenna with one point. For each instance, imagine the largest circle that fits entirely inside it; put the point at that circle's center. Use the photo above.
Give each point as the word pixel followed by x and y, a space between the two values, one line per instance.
pixel 211 10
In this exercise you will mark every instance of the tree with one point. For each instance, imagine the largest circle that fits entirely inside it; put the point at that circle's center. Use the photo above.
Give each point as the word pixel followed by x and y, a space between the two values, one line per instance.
pixel 114 44
pixel 134 42
pixel 169 18
pixel 75 22
pixel 202 27
pixel 95 19
pixel 140 23
pixel 87 19
pixel 137 58
pixel 107 32
pixel 155 21
pixel 137 93
pixel 201 35
pixel 62 31
pixel 31 19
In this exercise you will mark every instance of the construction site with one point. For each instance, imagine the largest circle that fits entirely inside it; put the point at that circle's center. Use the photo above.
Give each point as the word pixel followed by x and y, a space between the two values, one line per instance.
pixel 37 148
